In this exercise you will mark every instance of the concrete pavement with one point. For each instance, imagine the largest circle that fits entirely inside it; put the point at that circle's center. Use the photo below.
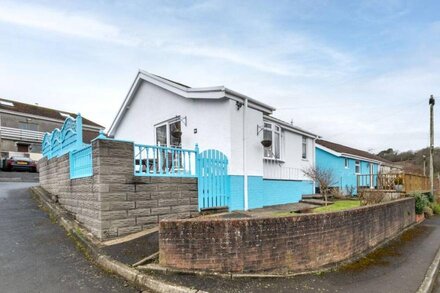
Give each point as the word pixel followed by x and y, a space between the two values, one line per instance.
pixel 436 288
pixel 37 256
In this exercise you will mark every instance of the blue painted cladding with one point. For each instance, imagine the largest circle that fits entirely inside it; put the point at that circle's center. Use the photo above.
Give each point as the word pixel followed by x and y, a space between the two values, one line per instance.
pixel 236 201
pixel 264 192
pixel 344 176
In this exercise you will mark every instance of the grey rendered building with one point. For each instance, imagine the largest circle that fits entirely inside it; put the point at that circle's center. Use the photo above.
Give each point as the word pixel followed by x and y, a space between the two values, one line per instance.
pixel 22 127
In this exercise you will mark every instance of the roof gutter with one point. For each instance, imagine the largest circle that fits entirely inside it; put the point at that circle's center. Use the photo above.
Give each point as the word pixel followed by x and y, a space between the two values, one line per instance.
pixel 253 102
pixel 290 127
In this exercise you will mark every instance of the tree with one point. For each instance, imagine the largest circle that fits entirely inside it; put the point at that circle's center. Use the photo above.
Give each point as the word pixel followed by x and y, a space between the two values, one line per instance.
pixel 325 178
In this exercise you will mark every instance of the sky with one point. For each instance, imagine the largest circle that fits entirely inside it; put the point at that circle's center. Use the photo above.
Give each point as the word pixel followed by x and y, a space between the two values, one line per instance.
pixel 358 73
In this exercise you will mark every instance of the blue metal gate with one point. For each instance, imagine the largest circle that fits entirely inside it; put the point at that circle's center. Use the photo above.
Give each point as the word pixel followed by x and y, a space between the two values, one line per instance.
pixel 212 171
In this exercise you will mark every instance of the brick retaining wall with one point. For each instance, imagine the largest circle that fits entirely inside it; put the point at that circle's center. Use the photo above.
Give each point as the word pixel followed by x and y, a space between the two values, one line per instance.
pixel 113 202
pixel 295 243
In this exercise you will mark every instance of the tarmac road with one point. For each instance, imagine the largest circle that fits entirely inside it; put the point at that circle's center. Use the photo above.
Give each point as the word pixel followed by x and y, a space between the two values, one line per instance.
pixel 37 256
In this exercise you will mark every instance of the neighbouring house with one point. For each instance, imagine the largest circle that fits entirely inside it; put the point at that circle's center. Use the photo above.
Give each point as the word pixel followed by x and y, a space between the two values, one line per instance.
pixel 388 167
pixel 351 167
pixel 265 156
pixel 22 127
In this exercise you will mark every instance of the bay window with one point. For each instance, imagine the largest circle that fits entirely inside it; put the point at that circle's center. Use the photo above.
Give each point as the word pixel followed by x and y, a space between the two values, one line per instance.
pixel 272 132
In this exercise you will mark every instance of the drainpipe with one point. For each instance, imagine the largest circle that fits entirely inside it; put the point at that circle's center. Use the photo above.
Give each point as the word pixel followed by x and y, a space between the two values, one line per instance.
pixel 245 177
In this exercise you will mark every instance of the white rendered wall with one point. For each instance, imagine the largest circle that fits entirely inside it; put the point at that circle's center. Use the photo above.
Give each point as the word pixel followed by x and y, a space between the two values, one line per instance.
pixel 291 165
pixel 219 126
pixel 254 155
pixel 152 105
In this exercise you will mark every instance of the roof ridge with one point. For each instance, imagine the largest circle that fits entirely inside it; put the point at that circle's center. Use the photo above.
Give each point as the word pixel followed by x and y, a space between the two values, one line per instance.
pixel 41 109
pixel 340 148
pixel 34 105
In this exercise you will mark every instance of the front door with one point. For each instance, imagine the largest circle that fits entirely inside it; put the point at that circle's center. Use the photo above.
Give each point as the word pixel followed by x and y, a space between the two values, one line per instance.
pixel 23 148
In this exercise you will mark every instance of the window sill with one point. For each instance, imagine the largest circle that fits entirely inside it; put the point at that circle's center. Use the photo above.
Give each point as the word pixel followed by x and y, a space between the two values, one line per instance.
pixel 274 160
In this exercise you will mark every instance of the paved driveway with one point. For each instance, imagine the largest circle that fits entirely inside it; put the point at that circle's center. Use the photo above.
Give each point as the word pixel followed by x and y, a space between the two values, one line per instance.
pixel 36 255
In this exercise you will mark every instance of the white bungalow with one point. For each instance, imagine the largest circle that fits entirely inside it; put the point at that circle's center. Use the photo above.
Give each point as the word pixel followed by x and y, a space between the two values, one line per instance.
pixel 155 109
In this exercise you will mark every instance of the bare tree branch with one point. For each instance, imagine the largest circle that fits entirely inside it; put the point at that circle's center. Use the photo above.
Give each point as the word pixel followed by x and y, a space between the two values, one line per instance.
pixel 325 178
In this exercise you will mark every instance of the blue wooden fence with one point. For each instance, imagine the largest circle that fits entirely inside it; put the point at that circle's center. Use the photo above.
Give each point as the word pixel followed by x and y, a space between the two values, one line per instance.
pixel 81 162
pixel 210 167
pixel 213 179
pixel 152 160
pixel 60 142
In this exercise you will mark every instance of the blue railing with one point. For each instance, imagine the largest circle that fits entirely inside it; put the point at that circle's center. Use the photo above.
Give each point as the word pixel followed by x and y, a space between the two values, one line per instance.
pixel 164 161
pixel 60 142
pixel 81 163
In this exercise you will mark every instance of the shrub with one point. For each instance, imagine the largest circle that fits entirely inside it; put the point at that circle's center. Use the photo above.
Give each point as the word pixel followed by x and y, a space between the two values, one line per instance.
pixel 428 212
pixel 421 202
pixel 335 193
pixel 429 196
pixel 435 208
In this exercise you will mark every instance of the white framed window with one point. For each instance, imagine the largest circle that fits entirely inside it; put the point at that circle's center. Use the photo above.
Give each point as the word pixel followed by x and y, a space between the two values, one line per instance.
pixel 357 167
pixel 161 135
pixel 304 148
pixel 272 132
pixel 169 133
pixel 346 163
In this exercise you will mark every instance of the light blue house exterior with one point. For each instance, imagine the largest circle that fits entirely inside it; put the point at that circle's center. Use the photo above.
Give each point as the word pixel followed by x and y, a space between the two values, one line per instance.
pixel 349 166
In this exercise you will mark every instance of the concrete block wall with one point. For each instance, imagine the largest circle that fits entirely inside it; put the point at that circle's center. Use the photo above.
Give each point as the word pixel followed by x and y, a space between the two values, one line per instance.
pixel 281 244
pixel 113 202
pixel 77 196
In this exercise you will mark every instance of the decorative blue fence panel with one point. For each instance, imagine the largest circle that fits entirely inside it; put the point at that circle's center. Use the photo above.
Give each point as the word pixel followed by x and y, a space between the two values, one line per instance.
pixel 213 179
pixel 60 142
pixel 164 161
pixel 81 164
pixel 46 145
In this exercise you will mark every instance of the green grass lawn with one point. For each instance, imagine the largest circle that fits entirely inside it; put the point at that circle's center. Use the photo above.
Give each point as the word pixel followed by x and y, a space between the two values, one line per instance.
pixel 339 206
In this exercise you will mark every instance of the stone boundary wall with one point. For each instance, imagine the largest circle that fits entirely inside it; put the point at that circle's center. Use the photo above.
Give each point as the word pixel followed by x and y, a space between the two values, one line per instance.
pixel 113 202
pixel 281 244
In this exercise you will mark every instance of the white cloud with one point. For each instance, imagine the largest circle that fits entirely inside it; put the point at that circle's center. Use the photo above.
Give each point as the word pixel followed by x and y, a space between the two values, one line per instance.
pixel 59 21
pixel 328 89
pixel 280 53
